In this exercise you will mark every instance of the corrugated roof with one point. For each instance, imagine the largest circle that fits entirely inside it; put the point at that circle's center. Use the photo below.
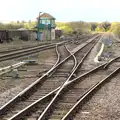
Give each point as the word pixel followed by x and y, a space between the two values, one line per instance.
pixel 46 15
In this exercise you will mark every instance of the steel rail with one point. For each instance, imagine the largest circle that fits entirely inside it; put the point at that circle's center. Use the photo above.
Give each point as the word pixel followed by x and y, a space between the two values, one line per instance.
pixel 30 49
pixel 28 107
pixel 86 54
pixel 10 68
pixel 29 46
pixel 25 90
pixel 58 56
pixel 87 73
pixel 59 60
pixel 111 61
pixel 89 91
pixel 22 48
pixel 75 60
pixel 18 96
pixel 17 55
pixel 34 48
pixel 62 87
pixel 52 93
pixel 27 51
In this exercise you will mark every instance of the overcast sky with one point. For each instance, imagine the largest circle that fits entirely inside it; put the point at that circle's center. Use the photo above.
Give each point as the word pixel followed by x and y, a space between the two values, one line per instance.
pixel 62 10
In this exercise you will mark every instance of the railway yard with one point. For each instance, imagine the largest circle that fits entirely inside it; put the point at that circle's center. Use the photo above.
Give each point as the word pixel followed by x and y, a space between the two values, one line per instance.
pixel 72 79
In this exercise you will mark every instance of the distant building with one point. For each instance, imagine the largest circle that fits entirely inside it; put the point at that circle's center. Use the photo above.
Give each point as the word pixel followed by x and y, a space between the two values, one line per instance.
pixel 45 27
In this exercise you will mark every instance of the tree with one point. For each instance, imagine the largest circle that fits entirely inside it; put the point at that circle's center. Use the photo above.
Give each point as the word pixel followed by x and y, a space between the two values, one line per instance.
pixel 66 29
pixel 100 28
pixel 30 25
pixel 18 22
pixel 106 25
pixel 115 28
pixel 93 26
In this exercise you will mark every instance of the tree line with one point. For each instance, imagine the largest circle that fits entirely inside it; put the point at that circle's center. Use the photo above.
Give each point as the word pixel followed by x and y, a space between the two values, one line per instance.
pixel 17 25
pixel 88 27
pixel 79 27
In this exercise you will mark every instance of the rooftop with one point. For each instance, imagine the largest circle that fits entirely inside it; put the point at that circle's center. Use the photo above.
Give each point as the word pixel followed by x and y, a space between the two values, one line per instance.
pixel 46 15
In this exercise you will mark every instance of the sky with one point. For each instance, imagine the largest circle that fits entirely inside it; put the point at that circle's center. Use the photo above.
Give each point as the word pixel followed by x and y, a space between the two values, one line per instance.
pixel 62 10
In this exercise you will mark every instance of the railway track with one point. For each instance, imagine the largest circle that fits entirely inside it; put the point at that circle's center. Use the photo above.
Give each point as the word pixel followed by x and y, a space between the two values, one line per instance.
pixel 33 71
pixel 50 81
pixel 74 98
pixel 77 91
pixel 28 46
pixel 24 95
pixel 38 45
pixel 80 57
pixel 32 49
pixel 87 94
pixel 27 51
pixel 23 48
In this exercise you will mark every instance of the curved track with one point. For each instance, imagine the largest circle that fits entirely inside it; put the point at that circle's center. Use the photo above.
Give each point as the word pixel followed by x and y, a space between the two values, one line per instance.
pixel 33 88
pixel 47 84
pixel 80 58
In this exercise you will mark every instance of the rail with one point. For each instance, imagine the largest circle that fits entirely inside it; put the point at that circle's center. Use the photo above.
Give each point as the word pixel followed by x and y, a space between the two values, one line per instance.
pixel 52 93
pixel 62 87
pixel 4 107
pixel 88 92
pixel 28 51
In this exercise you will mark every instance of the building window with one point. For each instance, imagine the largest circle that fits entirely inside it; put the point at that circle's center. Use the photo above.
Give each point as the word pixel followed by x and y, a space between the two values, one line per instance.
pixel 47 22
